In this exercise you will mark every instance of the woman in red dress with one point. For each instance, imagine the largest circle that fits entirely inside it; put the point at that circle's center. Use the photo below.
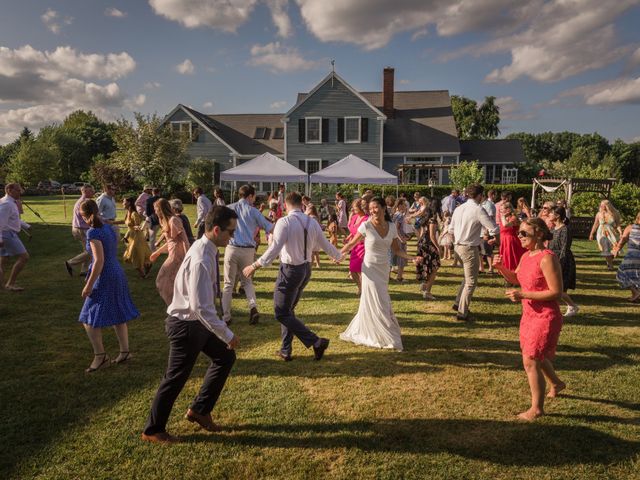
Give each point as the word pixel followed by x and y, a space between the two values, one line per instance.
pixel 510 247
pixel 540 277
pixel 358 216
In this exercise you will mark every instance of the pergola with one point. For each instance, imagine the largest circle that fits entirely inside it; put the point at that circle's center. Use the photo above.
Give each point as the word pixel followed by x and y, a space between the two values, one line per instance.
pixel 571 186
pixel 408 168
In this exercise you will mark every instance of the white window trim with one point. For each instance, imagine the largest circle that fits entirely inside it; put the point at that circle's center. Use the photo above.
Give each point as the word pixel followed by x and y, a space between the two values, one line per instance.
pixel 180 122
pixel 307 160
pixel 306 130
pixel 359 140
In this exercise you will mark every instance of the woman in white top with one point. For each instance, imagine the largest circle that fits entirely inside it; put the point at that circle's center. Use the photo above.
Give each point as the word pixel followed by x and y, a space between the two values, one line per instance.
pixel 375 325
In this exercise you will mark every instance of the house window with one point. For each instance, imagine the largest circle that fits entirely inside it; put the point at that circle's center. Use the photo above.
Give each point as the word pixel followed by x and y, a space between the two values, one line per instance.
pixel 260 133
pixel 313 130
pixel 278 133
pixel 186 127
pixel 351 129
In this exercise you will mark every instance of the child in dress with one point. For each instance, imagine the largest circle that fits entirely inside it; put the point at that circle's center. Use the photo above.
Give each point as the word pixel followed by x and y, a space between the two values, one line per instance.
pixel 332 228
pixel 446 238
pixel 312 211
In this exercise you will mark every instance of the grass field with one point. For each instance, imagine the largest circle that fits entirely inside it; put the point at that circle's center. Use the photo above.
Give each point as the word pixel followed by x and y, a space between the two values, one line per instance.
pixel 442 409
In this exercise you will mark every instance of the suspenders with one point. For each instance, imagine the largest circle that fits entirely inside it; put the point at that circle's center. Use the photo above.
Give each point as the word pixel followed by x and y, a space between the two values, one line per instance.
pixel 306 260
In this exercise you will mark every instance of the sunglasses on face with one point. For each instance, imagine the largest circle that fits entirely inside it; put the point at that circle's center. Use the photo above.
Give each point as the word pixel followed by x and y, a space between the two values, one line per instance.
pixel 523 234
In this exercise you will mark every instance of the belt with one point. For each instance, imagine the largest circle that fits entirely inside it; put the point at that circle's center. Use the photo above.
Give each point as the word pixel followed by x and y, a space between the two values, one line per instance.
pixel 243 246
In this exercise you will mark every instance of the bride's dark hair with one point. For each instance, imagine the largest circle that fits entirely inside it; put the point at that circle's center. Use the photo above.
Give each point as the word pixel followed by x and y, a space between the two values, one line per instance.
pixel 383 205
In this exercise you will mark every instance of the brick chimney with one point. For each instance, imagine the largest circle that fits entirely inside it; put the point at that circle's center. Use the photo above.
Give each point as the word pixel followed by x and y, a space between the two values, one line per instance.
pixel 387 92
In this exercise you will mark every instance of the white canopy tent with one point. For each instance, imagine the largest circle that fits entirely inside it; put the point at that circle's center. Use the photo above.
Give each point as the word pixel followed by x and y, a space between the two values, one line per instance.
pixel 352 169
pixel 265 168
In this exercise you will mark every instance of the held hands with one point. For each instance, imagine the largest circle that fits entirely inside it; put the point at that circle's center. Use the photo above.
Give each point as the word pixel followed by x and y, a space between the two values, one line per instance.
pixel 154 256
pixel 418 260
pixel 233 343
pixel 248 271
pixel 497 262
pixel 514 295
pixel 492 241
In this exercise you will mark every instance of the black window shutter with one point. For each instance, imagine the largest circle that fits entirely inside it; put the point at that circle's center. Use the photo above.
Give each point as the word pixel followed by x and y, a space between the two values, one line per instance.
pixel 341 129
pixel 301 132
pixel 325 163
pixel 302 165
pixel 364 129
pixel 325 130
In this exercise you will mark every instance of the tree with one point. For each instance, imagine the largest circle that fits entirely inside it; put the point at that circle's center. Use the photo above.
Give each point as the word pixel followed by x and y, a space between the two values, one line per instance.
pixel 473 122
pixel 35 160
pixel 151 153
pixel 200 173
pixel 465 174
pixel 104 171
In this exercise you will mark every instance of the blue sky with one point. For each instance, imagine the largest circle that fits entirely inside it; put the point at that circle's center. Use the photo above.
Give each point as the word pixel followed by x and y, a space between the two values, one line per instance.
pixel 554 65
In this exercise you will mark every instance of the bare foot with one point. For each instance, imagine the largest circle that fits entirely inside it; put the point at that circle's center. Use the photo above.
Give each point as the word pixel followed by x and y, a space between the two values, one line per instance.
pixel 556 389
pixel 530 415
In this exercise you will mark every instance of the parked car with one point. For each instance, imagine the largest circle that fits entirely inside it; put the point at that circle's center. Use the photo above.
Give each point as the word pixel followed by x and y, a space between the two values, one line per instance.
pixel 79 185
pixel 70 188
pixel 49 186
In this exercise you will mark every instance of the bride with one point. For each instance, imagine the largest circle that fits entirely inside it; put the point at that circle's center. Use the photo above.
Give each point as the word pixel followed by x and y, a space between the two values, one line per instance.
pixel 375 325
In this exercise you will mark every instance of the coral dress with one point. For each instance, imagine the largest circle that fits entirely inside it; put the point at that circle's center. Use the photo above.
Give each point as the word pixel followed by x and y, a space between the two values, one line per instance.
pixel 357 252
pixel 510 247
pixel 178 245
pixel 541 322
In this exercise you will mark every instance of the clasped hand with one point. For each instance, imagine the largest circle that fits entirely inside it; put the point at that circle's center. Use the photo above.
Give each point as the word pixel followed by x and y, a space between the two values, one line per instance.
pixel 514 295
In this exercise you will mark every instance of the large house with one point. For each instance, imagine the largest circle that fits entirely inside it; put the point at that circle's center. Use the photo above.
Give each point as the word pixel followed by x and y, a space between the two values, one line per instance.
pixel 408 133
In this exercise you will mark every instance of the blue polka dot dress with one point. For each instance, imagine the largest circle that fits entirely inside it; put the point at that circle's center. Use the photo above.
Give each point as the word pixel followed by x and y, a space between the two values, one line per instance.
pixel 110 301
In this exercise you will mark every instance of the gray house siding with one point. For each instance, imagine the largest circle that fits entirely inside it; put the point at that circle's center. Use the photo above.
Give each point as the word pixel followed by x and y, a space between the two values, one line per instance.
pixel 333 102
pixel 206 145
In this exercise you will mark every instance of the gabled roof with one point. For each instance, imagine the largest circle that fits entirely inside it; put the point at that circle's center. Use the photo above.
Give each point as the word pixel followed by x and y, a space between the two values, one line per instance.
pixel 492 151
pixel 422 122
pixel 236 131
pixel 337 77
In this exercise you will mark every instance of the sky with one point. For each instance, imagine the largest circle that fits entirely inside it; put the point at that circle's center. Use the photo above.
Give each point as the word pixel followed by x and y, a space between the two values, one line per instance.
pixel 552 65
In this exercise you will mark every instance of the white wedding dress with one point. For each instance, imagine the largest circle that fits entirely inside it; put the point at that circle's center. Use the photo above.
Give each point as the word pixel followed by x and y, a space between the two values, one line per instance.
pixel 375 325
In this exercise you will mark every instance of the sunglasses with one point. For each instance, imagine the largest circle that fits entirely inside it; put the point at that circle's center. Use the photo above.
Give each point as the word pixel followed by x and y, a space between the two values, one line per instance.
pixel 523 234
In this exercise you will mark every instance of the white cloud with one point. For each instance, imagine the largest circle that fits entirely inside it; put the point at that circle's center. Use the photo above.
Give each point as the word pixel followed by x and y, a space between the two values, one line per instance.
pixel 50 85
pixel 140 100
pixel 152 85
pixel 114 12
pixel 186 67
pixel 404 82
pixel 54 22
pixel 280 17
pixel 612 92
pixel 280 104
pixel 225 15
pixel 64 61
pixel 423 32
pixel 207 104
pixel 634 60
pixel 280 59
pixel 511 109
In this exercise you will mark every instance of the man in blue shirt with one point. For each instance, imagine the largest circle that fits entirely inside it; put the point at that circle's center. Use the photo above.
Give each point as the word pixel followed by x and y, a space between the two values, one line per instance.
pixel 450 202
pixel 240 252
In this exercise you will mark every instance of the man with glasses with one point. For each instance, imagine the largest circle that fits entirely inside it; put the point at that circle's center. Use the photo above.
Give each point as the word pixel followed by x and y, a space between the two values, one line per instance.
pixel 193 326
pixel 466 226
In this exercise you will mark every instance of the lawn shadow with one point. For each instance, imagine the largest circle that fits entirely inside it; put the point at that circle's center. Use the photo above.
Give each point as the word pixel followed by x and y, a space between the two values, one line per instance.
pixel 508 443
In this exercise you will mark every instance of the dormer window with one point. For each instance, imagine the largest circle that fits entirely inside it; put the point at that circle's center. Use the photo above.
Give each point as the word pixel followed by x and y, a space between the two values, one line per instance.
pixel 278 133
pixel 260 133
pixel 186 127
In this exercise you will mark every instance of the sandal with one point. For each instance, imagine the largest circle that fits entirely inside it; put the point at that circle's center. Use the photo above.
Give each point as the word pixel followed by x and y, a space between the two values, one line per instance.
pixel 126 357
pixel 13 288
pixel 104 363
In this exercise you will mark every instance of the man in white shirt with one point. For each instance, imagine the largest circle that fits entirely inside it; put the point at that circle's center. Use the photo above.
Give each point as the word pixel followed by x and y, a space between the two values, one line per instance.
pixel 203 205
pixel 193 326
pixel 295 237
pixel 466 226
pixel 10 244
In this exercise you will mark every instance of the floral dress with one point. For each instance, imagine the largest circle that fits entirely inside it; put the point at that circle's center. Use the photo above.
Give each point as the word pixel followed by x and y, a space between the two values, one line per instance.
pixel 429 252
pixel 606 235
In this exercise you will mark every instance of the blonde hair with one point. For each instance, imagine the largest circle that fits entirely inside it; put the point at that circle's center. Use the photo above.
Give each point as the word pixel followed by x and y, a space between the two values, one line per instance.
pixel 611 210
pixel 165 213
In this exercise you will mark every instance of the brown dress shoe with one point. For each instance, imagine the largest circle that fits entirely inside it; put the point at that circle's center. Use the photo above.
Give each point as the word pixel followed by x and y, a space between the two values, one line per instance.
pixel 160 437
pixel 318 351
pixel 204 421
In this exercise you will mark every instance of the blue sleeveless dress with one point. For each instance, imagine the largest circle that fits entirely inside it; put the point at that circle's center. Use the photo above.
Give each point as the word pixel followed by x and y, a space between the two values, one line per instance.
pixel 110 301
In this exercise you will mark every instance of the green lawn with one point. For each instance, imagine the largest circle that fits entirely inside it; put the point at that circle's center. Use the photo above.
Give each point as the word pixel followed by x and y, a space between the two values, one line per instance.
pixel 443 408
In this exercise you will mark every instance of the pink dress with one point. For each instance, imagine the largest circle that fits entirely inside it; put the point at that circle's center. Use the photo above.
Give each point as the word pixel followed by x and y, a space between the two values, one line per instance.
pixel 541 322
pixel 510 247
pixel 357 253
pixel 178 244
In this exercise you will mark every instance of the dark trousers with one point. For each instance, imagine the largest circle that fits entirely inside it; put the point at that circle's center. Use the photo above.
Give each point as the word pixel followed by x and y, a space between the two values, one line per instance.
pixel 200 230
pixel 186 340
pixel 289 286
